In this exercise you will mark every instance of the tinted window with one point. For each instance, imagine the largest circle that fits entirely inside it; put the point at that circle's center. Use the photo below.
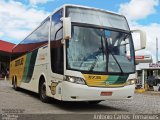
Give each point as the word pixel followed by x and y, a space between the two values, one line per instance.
pixel 56 45
pixel 36 39
pixel 56 24
pixel 97 17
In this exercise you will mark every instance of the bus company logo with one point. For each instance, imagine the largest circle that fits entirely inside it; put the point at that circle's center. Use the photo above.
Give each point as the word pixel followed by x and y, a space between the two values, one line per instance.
pixel 107 83
pixel 19 62
pixel 94 77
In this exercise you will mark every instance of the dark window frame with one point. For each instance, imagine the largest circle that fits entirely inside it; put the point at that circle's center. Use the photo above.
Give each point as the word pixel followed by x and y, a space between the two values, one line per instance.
pixel 56 47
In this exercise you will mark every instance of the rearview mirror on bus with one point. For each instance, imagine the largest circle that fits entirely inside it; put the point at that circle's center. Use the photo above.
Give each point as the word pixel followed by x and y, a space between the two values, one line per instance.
pixel 67 28
pixel 139 38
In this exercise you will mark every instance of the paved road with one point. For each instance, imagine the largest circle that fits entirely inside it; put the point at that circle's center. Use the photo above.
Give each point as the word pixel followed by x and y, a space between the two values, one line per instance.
pixel 28 103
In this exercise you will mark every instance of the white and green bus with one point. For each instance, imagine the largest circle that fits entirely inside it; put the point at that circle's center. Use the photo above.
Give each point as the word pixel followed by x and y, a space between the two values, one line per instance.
pixel 77 54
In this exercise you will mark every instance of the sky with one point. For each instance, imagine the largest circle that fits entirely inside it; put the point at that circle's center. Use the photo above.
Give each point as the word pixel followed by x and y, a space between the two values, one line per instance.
pixel 18 18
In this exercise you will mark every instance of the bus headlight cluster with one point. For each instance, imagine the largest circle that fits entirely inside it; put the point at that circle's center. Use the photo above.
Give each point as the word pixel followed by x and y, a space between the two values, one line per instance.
pixel 131 81
pixel 75 80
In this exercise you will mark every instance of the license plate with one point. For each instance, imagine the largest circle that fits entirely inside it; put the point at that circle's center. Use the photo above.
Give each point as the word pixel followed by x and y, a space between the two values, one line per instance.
pixel 106 93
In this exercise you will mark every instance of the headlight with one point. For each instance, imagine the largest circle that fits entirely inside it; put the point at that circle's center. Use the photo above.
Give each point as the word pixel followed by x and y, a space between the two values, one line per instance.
pixel 131 81
pixel 75 80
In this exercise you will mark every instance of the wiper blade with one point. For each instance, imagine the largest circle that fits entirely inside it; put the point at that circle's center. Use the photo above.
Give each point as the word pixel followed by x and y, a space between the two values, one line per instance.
pixel 93 65
pixel 103 51
pixel 115 60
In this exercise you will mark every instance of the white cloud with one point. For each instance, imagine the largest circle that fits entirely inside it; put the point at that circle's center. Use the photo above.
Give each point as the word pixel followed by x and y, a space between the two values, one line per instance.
pixel 138 9
pixel 152 32
pixel 17 20
pixel 1 34
pixel 35 2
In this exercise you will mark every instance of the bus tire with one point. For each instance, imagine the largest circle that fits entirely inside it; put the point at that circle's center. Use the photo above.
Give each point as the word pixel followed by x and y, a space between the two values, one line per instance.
pixel 94 102
pixel 15 87
pixel 42 92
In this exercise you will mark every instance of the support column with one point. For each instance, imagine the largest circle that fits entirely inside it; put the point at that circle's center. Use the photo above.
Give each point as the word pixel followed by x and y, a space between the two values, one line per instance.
pixel 143 79
pixel 0 68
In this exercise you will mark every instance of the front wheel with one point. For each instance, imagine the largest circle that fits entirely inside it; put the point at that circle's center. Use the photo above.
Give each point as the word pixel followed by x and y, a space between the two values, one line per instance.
pixel 42 93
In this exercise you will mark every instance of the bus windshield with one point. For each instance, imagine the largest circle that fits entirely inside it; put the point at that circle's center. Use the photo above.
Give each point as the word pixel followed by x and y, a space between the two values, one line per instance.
pixel 100 50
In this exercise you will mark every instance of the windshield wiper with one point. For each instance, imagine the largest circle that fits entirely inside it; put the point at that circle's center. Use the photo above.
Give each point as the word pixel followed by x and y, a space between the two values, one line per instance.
pixel 103 52
pixel 115 60
pixel 93 64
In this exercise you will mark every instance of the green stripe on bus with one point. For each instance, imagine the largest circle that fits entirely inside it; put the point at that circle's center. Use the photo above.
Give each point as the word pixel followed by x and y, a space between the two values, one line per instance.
pixel 116 79
pixel 29 66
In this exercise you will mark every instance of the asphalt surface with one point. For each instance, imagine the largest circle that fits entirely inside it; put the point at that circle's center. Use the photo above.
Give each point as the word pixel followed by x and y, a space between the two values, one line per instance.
pixel 27 103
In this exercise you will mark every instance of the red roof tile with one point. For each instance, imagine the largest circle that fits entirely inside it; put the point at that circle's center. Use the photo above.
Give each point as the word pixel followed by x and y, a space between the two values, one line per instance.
pixel 6 46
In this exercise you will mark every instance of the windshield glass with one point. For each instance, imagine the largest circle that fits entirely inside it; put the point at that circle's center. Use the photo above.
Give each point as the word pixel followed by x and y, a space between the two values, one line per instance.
pixel 97 17
pixel 120 52
pixel 99 50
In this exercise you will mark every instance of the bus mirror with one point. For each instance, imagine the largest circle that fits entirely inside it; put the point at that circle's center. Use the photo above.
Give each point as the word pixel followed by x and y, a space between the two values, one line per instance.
pixel 67 28
pixel 140 36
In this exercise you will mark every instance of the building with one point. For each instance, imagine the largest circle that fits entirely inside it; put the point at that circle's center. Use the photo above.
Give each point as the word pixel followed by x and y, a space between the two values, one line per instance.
pixel 5 53
pixel 146 70
pixel 143 59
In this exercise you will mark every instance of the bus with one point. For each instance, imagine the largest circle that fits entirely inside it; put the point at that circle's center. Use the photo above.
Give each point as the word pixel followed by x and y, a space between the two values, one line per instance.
pixel 77 53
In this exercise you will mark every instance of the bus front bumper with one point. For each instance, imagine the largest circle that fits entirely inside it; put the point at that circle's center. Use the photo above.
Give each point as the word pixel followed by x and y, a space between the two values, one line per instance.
pixel 77 92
